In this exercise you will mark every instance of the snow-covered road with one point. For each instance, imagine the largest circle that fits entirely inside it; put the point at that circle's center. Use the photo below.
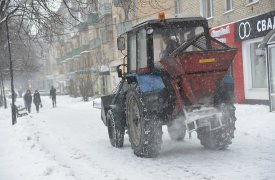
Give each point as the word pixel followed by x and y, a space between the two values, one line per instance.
pixel 71 143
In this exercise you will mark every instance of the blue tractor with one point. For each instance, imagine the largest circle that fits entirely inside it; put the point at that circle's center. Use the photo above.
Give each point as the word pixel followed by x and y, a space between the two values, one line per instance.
pixel 172 75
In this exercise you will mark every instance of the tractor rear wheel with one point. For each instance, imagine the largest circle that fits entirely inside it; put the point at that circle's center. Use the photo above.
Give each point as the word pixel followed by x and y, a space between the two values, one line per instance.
pixel 177 129
pixel 116 131
pixel 144 126
pixel 221 138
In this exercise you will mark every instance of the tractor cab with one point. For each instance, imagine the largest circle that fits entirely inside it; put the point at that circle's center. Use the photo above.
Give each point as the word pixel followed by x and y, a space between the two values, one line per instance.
pixel 155 40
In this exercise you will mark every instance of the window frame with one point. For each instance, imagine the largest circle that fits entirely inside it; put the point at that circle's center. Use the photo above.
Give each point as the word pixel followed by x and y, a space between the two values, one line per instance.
pixel 226 10
pixel 251 93
pixel 129 70
pixel 178 7
pixel 138 55
pixel 202 9
pixel 250 3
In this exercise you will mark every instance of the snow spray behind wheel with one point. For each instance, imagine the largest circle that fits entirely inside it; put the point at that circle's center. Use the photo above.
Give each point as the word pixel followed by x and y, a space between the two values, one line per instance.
pixel 174 75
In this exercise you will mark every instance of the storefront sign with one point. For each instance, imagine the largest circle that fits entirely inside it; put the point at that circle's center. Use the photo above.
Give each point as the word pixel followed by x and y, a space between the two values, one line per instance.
pixel 220 32
pixel 224 34
pixel 255 27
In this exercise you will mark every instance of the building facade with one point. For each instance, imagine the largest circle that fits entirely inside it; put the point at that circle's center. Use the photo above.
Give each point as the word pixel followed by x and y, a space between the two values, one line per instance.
pixel 240 24
pixel 92 53
pixel 243 25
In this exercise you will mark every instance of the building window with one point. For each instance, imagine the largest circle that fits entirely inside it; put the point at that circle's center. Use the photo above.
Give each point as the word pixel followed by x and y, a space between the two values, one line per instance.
pixel 178 7
pixel 251 1
pixel 207 8
pixel 228 5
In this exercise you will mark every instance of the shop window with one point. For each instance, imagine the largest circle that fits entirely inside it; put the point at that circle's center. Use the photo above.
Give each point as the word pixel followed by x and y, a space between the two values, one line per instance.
pixel 272 72
pixel 258 66
pixel 228 5
pixel 207 8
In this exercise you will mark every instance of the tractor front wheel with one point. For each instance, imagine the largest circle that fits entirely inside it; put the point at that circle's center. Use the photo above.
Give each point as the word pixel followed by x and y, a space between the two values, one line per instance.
pixel 116 131
pixel 144 127
pixel 220 138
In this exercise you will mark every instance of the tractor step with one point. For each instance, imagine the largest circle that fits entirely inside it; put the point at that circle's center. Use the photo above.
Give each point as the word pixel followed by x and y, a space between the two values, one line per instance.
pixel 203 117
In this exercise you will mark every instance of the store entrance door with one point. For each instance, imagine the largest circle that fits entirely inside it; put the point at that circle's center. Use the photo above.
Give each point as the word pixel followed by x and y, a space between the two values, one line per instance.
pixel 271 64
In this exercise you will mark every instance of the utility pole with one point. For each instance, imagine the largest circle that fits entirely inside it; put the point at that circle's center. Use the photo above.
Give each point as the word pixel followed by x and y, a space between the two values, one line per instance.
pixel 13 108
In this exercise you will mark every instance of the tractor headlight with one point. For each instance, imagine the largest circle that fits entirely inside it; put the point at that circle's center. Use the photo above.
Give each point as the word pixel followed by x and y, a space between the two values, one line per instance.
pixel 149 30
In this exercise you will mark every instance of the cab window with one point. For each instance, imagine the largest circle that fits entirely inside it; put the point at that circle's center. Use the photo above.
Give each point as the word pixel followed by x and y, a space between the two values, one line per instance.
pixel 132 53
pixel 141 50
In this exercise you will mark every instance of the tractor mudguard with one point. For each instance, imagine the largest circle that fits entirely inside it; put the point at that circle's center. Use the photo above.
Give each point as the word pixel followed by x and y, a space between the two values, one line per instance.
pixel 148 82
pixel 225 91
pixel 228 85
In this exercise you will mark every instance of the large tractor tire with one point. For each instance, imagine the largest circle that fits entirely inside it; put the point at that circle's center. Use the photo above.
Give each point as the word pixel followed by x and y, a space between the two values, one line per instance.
pixel 177 129
pixel 144 126
pixel 116 130
pixel 221 138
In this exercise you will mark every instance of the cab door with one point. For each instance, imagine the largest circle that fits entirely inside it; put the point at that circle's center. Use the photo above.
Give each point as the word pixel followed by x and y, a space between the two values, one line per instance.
pixel 137 52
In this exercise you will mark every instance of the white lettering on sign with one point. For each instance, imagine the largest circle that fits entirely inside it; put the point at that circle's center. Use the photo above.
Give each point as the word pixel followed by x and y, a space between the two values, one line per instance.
pixel 266 24
pixel 220 32
pixel 223 40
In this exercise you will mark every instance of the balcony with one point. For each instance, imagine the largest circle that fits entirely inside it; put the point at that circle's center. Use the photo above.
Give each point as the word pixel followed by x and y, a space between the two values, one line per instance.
pixel 105 9
pixel 123 27
pixel 95 43
pixel 85 48
pixel 92 18
pixel 66 56
pixel 58 60
pixel 82 26
pixel 76 52
pixel 119 3
pixel 73 53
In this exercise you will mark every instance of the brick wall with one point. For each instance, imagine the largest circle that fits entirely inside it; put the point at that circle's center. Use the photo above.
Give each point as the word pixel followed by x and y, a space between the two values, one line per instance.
pixel 240 10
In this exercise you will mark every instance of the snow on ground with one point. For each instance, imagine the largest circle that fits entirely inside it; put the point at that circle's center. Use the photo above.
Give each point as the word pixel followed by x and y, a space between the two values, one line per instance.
pixel 71 143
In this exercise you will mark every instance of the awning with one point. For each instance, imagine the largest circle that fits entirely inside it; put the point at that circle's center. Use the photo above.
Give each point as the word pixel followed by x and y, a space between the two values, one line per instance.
pixel 263 44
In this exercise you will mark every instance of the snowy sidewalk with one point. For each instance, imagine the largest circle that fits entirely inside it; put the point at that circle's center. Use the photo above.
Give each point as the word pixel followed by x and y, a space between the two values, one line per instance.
pixel 70 142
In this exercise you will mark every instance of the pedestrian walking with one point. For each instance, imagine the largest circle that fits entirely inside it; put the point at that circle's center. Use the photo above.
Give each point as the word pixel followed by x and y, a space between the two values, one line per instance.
pixel 37 100
pixel 28 100
pixel 53 96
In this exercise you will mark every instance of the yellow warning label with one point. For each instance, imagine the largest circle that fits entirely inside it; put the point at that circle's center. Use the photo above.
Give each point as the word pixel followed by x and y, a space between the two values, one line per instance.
pixel 207 60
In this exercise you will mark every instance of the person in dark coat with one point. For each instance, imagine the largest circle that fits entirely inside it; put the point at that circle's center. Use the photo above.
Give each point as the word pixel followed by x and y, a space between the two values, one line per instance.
pixel 28 100
pixel 53 96
pixel 171 45
pixel 37 100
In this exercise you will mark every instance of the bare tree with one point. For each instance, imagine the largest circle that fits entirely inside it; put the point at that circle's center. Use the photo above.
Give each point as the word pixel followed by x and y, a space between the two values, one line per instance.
pixel 31 18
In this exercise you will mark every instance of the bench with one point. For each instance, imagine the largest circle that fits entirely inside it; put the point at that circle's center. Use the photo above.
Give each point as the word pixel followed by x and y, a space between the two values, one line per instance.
pixel 20 111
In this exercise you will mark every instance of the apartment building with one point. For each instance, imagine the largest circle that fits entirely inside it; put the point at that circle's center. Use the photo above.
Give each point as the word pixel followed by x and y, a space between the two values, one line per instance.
pixel 80 56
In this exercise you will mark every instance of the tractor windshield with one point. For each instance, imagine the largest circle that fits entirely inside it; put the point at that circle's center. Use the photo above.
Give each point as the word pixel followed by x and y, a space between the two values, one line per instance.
pixel 167 40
